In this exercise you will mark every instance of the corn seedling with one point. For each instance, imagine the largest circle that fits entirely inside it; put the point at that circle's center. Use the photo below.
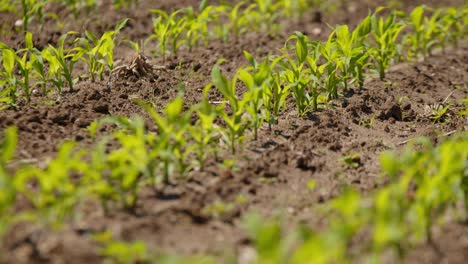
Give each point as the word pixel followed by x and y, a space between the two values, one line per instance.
pixel 31 9
pixel 77 5
pixel 56 194
pixel 24 60
pixel 9 81
pixel 333 64
pixel 7 189
pixel 422 39
pixel 119 175
pixel 235 121
pixel 96 178
pixel 120 251
pixel 254 78
pixel 197 24
pixel 204 132
pixel 439 112
pixel 173 127
pixel 61 64
pixel 167 29
pixel 295 73
pixel 274 99
pixel 98 53
pixel 368 123
pixel 385 32
pixel 352 51
pixel 267 12
pixel 119 4
pixel 238 20
pixel 352 160
pixel 128 163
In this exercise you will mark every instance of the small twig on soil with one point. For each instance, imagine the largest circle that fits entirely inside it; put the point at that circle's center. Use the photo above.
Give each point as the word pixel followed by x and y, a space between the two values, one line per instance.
pixel 443 135
pixel 219 102
pixel 448 96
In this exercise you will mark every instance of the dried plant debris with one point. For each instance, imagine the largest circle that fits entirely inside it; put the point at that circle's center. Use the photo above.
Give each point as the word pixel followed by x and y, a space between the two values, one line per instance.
pixel 138 67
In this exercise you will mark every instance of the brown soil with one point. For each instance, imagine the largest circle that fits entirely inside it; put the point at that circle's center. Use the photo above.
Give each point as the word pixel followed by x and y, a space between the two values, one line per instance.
pixel 272 173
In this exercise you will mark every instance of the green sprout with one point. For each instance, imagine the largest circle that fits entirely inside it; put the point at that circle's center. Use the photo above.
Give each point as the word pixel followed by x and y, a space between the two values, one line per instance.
pixel 295 73
pixel 7 189
pixel 31 9
pixel 254 78
pixel 120 251
pixel 274 99
pixel 204 132
pixel 61 63
pixel 352 160
pixel 98 53
pixel 385 33
pixel 171 141
pixel 167 28
pixel 235 121
pixel 9 82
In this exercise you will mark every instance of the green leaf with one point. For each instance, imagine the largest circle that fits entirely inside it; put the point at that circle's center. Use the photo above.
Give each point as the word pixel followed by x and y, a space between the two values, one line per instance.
pixel 250 59
pixel 389 163
pixel 8 145
pixel 246 78
pixel 203 5
pixel 8 60
pixel 416 17
pixel 311 184
pixel 174 108
pixel 301 47
pixel 28 40
pixel 221 82
pixel 121 24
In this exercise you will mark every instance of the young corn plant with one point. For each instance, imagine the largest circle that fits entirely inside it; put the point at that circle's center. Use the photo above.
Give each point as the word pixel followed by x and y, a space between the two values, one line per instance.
pixel 274 98
pixel 77 6
pixel 171 141
pixel 352 53
pixel 115 251
pixel 358 38
pixel 96 179
pixel 238 20
pixel 425 31
pixel 454 24
pixel 40 72
pixel 25 59
pixel 61 64
pixel 31 9
pixel 167 29
pixel 254 78
pixel 197 26
pixel 268 12
pixel 119 4
pixel 385 33
pixel 98 53
pixel 9 82
pixel 204 133
pixel 127 164
pixel 235 121
pixel 316 80
pixel 331 70
pixel 56 193
pixel 7 188
pixel 295 73
pixel 449 27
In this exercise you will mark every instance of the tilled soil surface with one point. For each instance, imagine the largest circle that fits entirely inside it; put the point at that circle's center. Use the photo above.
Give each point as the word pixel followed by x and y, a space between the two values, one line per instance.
pixel 272 172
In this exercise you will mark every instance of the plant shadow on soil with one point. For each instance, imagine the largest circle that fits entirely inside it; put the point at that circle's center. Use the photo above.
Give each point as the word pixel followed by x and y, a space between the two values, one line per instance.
pixel 272 173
